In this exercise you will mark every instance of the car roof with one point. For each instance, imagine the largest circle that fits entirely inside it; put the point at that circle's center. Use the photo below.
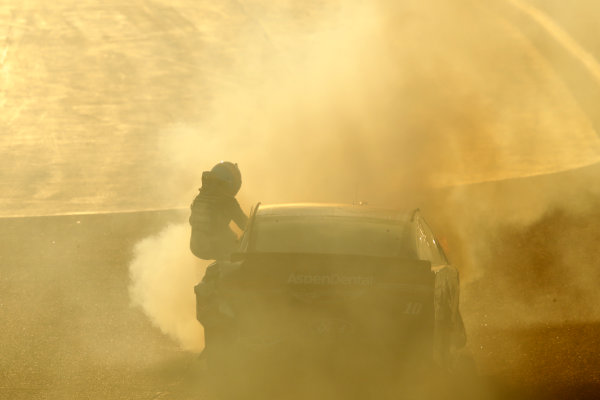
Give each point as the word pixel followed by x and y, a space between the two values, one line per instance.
pixel 332 210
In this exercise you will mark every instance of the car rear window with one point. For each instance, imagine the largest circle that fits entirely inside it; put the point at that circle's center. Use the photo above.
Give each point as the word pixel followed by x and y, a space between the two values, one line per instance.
pixel 332 235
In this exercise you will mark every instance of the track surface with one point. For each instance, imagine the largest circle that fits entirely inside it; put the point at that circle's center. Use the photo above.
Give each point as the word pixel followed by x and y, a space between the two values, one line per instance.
pixel 68 331
pixel 66 325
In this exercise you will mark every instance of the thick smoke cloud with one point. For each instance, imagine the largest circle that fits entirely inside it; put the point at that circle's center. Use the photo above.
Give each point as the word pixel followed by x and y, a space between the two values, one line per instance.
pixel 444 105
pixel 379 97
pixel 162 277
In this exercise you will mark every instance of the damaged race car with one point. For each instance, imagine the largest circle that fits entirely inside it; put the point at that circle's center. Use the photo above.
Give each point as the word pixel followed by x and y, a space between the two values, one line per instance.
pixel 318 289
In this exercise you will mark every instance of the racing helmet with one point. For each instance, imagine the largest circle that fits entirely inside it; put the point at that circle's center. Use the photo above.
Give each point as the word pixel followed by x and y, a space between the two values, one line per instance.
pixel 229 174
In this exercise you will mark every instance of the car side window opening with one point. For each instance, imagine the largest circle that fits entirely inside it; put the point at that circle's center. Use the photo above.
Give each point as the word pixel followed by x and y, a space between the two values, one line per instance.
pixel 427 246
pixel 245 239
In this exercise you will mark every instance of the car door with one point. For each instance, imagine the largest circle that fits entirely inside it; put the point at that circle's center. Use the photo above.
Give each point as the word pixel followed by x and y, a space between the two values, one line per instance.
pixel 427 246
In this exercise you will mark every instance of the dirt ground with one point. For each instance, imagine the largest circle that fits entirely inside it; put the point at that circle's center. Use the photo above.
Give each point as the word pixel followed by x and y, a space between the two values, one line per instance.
pixel 67 328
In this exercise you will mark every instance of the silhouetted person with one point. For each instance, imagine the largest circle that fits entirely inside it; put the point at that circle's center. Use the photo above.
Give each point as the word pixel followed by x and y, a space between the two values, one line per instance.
pixel 212 238
pixel 212 211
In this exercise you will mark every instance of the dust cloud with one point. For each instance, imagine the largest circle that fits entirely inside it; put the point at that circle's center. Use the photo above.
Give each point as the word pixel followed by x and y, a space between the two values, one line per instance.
pixel 449 106
pixel 162 276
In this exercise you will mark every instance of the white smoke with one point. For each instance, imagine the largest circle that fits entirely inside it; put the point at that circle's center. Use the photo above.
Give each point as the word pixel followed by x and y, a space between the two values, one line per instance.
pixel 163 274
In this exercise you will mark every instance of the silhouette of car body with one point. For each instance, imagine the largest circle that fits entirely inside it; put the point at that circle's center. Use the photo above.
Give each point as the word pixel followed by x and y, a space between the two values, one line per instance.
pixel 351 287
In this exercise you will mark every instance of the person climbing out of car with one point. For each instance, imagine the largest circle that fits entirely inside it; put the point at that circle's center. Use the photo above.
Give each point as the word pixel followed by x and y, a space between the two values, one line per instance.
pixel 213 209
pixel 212 239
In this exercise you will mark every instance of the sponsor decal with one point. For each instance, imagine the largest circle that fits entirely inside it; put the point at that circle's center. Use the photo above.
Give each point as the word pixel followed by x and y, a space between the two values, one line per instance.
pixel 331 327
pixel 331 279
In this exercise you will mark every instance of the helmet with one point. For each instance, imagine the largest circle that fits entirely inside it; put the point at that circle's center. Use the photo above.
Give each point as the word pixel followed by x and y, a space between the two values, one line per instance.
pixel 229 174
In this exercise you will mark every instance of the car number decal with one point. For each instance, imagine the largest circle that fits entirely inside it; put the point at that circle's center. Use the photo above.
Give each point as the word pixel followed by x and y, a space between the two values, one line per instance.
pixel 413 308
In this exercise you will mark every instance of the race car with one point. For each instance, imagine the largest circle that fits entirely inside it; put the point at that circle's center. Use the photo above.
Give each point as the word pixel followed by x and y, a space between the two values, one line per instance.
pixel 331 287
